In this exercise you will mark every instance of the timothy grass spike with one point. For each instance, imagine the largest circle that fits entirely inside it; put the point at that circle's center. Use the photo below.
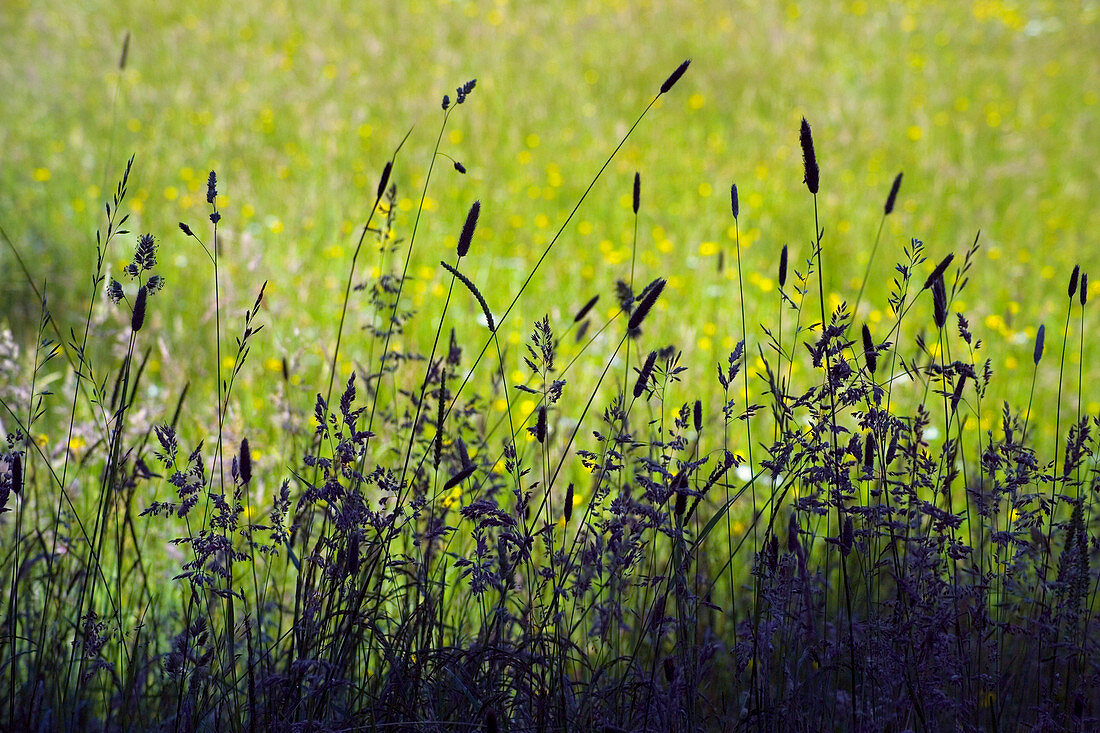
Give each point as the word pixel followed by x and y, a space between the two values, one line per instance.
pixel 809 157
pixel 937 274
pixel 939 302
pixel 245 462
pixel 675 76
pixel 385 179
pixel 893 197
pixel 783 267
pixel 585 309
pixel 869 354
pixel 467 234
pixel 648 299
pixel 137 318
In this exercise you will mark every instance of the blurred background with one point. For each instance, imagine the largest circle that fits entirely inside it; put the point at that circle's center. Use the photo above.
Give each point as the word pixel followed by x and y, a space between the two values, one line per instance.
pixel 989 108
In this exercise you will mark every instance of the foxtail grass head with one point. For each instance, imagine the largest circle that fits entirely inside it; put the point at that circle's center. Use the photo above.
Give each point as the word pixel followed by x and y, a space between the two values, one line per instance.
pixel 475 292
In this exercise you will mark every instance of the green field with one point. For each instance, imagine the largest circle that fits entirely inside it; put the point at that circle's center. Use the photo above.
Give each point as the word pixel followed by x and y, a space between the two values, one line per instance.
pixel 989 108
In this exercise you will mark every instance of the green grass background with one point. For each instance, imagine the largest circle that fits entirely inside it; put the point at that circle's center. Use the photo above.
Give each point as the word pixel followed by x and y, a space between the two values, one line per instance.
pixel 990 109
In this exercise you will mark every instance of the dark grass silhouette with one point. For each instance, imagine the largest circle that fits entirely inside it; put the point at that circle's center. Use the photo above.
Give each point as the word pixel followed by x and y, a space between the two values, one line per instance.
pixel 423 565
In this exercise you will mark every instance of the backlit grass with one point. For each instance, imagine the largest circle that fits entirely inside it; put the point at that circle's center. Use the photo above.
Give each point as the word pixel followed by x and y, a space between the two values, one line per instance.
pixel 562 576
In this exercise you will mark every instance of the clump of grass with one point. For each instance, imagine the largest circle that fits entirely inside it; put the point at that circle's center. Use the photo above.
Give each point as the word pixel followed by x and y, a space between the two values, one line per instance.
pixel 581 557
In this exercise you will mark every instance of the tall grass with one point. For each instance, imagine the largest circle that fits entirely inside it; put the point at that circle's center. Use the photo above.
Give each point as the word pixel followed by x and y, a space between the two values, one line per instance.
pixel 416 557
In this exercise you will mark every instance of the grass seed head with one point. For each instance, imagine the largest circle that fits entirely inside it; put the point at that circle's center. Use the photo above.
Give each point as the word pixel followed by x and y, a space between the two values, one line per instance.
pixel 16 472
pixel 637 191
pixel 809 157
pixel 783 267
pixel 956 395
pixel 385 179
pixel 648 299
pixel 847 536
pixel 892 449
pixel 475 292
pixel 681 504
pixel 459 477
pixel 581 332
pixel 467 234
pixel 137 318
pixel 643 374
pixel 540 425
pixel 893 197
pixel 869 354
pixel 145 256
pixel 585 308
pixel 245 462
pixel 675 76
pixel 734 206
pixel 464 91
pixel 1039 336
pixel 939 302
pixel 937 274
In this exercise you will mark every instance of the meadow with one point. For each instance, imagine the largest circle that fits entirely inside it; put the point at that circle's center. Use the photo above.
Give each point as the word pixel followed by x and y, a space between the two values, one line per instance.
pixel 314 419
